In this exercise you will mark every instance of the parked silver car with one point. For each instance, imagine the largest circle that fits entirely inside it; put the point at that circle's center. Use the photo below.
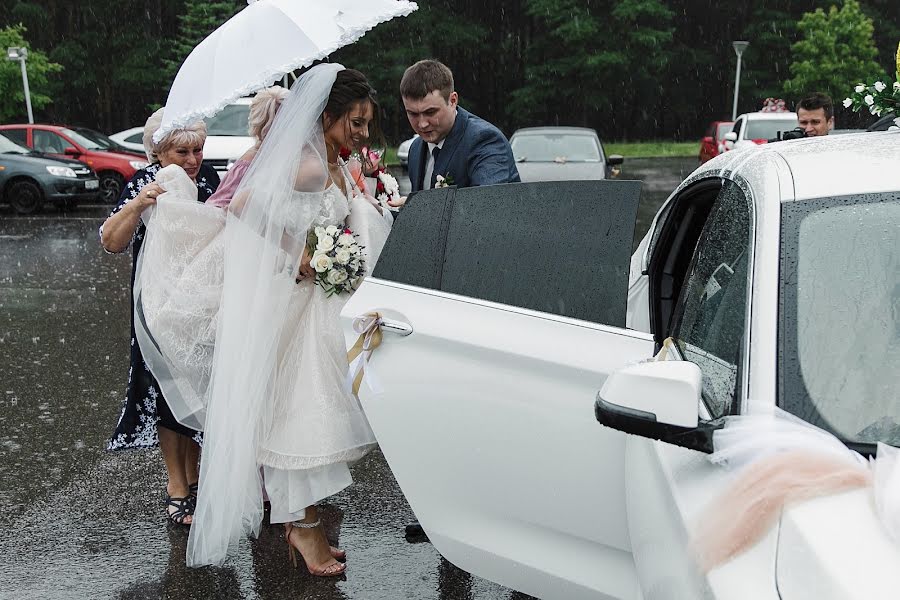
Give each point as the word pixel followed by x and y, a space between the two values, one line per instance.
pixel 562 153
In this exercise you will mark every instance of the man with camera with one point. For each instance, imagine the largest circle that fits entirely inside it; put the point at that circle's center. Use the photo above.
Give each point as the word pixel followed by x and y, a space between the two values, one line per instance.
pixel 815 115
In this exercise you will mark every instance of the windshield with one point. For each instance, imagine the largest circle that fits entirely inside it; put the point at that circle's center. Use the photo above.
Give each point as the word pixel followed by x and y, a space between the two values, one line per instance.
pixel 839 335
pixel 98 138
pixel 550 147
pixel 7 146
pixel 759 129
pixel 232 120
pixel 84 142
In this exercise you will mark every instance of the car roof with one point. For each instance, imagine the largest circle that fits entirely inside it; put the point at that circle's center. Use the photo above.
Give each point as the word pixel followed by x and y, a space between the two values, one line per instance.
pixel 770 116
pixel 827 166
pixel 555 130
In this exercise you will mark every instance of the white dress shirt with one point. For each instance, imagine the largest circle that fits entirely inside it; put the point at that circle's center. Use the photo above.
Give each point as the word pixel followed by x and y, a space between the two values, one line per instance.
pixel 429 163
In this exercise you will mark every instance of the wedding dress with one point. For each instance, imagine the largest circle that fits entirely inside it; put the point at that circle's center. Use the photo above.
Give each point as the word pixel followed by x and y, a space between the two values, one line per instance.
pixel 241 349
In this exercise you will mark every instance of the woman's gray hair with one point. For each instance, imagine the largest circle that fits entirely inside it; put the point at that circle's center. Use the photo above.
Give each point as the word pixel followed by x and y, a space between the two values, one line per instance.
pixel 191 135
pixel 263 108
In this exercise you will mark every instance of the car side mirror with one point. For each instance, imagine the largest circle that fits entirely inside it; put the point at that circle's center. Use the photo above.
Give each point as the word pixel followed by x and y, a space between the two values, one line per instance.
pixel 731 136
pixel 71 151
pixel 614 160
pixel 658 400
pixel 708 139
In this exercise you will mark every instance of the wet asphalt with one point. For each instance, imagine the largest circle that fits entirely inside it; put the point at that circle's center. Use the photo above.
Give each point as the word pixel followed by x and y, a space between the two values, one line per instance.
pixel 77 521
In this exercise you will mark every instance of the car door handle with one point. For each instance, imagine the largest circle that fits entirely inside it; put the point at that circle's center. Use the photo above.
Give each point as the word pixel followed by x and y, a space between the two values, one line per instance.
pixel 398 327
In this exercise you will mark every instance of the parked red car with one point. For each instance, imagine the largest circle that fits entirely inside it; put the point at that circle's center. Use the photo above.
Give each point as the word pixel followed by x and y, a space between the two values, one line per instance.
pixel 709 145
pixel 113 164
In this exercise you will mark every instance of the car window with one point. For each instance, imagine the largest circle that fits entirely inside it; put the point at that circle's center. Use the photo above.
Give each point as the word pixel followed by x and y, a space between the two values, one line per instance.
pixel 18 136
pixel 542 246
pixel 555 148
pixel 712 310
pixel 737 127
pixel 136 138
pixel 49 142
pixel 839 315
pixel 723 129
pixel 230 121
pixel 768 129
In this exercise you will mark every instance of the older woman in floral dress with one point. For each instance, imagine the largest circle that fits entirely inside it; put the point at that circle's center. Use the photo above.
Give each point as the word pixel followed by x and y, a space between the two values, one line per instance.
pixel 146 420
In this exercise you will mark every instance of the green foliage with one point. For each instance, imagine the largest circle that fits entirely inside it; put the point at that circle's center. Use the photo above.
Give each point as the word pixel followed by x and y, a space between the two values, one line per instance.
pixel 198 20
pixel 836 50
pixel 12 92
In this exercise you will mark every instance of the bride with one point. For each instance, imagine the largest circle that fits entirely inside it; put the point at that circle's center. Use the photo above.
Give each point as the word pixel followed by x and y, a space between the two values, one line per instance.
pixel 246 346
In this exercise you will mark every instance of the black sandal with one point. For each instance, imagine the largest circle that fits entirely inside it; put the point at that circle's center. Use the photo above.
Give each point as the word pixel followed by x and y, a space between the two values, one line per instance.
pixel 192 491
pixel 184 509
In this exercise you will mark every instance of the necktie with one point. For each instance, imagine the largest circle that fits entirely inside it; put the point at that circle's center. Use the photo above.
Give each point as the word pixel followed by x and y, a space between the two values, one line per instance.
pixel 434 172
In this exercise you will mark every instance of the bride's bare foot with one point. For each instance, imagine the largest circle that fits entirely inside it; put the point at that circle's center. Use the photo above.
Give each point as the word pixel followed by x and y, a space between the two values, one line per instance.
pixel 309 540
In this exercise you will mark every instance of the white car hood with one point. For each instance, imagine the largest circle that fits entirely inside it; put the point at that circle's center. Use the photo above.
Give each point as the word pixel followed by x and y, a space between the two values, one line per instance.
pixel 835 548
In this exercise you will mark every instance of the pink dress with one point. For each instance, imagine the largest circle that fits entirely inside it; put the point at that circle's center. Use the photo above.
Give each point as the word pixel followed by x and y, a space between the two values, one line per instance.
pixel 225 192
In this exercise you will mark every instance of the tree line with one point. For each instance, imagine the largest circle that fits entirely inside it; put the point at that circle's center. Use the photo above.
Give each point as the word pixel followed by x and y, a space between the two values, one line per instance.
pixel 632 69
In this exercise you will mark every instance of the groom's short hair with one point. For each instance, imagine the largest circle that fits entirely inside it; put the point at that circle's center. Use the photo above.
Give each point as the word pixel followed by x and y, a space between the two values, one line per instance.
pixel 424 77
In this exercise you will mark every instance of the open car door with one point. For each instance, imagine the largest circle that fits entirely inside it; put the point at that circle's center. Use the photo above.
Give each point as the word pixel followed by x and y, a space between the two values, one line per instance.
pixel 504 312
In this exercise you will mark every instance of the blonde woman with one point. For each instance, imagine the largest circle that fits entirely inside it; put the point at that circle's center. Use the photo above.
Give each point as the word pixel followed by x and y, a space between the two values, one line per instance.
pixel 146 419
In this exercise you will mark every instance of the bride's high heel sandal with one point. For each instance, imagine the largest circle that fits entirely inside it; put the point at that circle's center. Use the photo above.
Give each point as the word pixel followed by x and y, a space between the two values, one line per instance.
pixel 330 569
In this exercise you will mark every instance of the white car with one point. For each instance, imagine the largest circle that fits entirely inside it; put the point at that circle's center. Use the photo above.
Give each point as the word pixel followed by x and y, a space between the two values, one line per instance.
pixel 227 136
pixel 752 129
pixel 776 273
pixel 131 138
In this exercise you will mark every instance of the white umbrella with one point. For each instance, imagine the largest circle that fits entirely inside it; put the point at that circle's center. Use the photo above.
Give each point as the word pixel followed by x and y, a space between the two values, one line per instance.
pixel 260 44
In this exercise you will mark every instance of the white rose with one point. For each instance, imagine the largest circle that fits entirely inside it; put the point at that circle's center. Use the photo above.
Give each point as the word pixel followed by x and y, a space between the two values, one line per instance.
pixel 879 86
pixel 345 239
pixel 342 257
pixel 859 89
pixel 331 230
pixel 320 232
pixel 337 276
pixel 321 262
pixel 325 244
pixel 897 86
pixel 354 250
pixel 869 99
pixel 848 102
pixel 355 265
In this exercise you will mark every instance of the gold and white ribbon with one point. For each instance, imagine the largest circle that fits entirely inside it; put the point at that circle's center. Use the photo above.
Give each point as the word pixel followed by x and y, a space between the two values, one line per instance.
pixel 368 326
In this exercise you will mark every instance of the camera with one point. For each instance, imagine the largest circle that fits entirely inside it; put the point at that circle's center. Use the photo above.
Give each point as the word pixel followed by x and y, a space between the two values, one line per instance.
pixel 794 134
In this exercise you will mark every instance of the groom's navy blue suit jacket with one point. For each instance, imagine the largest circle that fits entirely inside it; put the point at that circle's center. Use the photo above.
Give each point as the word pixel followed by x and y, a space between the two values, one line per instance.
pixel 474 153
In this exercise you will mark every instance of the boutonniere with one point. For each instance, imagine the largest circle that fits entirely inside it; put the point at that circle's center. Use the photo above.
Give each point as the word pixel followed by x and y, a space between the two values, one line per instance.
pixel 442 182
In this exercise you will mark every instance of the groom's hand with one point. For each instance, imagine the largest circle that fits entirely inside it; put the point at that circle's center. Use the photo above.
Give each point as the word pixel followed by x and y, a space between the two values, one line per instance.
pixel 397 203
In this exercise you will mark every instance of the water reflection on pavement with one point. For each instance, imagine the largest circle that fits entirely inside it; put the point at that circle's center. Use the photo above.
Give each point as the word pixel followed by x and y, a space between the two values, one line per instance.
pixel 80 522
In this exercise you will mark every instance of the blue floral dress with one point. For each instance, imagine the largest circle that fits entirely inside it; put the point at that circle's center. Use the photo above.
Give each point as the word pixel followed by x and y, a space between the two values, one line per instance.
pixel 144 408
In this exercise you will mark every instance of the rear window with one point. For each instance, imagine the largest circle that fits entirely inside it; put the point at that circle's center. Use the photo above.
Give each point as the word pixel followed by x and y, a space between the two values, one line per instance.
pixel 768 129
pixel 555 147
pixel 556 247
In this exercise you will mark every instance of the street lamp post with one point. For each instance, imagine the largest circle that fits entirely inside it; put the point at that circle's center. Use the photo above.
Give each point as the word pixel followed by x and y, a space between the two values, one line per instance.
pixel 20 55
pixel 739 48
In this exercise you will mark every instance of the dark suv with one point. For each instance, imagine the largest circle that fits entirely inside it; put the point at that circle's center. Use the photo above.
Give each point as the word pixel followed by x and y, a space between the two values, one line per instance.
pixel 28 179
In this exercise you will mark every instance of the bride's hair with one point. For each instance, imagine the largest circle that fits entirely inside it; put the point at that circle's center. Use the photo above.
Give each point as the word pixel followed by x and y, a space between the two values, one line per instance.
pixel 350 88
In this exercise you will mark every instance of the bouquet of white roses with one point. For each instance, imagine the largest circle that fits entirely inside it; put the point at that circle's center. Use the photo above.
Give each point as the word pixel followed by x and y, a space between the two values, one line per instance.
pixel 336 258
pixel 879 98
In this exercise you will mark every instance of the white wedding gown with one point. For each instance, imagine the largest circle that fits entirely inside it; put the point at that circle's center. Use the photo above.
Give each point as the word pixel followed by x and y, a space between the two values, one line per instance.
pixel 314 425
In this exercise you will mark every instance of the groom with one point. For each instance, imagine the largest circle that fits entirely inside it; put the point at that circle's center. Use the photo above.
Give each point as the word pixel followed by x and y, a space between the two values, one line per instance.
pixel 454 145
